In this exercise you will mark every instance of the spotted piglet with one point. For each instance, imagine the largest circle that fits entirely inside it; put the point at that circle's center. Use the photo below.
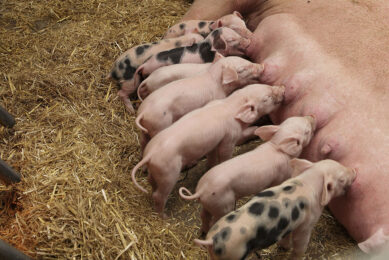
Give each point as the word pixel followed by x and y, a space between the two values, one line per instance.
pixel 168 104
pixel 212 130
pixel 233 21
pixel 201 27
pixel 254 171
pixel 125 66
pixel 223 40
pixel 289 210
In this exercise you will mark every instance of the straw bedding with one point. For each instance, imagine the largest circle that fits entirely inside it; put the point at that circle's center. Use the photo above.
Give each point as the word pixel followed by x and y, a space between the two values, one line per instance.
pixel 75 144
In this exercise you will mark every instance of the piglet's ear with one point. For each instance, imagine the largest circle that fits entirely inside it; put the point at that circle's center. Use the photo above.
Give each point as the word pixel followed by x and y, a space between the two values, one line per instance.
pixel 328 190
pixel 218 56
pixel 213 25
pixel 299 165
pixel 219 43
pixel 238 14
pixel 291 146
pixel 266 132
pixel 247 113
pixel 219 23
pixel 229 75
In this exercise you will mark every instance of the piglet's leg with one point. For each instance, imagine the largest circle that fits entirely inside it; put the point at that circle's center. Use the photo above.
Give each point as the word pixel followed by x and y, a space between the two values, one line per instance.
pixel 285 242
pixel 300 238
pixel 212 158
pixel 225 149
pixel 165 176
pixel 205 220
pixel 127 88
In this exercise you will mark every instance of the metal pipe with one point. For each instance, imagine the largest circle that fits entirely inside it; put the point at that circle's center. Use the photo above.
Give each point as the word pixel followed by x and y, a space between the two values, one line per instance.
pixel 9 252
pixel 7 174
pixel 6 119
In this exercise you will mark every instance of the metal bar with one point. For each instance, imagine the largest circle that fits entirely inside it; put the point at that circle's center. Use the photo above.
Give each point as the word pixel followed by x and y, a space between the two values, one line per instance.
pixel 9 252
pixel 7 174
pixel 6 119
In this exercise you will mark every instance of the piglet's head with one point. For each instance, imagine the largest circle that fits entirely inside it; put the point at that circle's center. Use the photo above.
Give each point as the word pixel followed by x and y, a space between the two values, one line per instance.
pixel 336 179
pixel 228 42
pixel 291 136
pixel 233 21
pixel 259 99
pixel 236 72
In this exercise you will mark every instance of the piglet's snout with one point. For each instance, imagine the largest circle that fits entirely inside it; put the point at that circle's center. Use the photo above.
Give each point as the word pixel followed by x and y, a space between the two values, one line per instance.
pixel 258 70
pixel 312 121
pixel 278 93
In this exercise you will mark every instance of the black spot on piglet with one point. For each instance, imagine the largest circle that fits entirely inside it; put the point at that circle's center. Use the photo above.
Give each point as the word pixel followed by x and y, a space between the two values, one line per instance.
pixel 207 55
pixel 202 24
pixel 256 208
pixel 267 193
pixel 230 218
pixel 139 50
pixel 182 26
pixel 273 212
pixel 114 75
pixel 282 223
pixel 193 48
pixel 174 55
pixel 286 188
pixel 289 188
pixel 129 71
pixel 295 213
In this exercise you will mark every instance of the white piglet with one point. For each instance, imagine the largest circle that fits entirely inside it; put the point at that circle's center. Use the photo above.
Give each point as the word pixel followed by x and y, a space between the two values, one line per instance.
pixel 254 171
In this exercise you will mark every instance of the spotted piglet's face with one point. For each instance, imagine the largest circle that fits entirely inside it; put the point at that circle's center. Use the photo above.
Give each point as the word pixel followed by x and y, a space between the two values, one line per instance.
pixel 228 42
pixel 261 222
pixel 233 21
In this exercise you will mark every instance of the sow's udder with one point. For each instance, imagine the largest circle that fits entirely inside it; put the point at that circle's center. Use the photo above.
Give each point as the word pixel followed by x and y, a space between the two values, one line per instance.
pixel 322 85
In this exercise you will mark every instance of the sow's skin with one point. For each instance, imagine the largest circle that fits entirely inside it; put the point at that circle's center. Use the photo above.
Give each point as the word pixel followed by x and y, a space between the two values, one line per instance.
pixel 168 104
pixel 293 207
pixel 165 75
pixel 125 66
pixel 254 171
pixel 212 130
pixel 203 27
pixel 223 40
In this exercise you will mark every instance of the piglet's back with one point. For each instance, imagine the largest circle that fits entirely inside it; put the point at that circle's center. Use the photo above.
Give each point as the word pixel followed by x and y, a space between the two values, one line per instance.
pixel 194 131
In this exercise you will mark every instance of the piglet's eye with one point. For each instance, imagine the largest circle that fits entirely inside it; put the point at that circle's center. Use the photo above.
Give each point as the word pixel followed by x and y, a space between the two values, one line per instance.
pixel 298 142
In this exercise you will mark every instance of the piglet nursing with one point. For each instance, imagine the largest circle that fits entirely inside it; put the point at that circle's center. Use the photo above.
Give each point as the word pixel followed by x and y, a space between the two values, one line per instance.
pixel 223 40
pixel 166 105
pixel 254 171
pixel 212 130
pixel 292 208
pixel 125 66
